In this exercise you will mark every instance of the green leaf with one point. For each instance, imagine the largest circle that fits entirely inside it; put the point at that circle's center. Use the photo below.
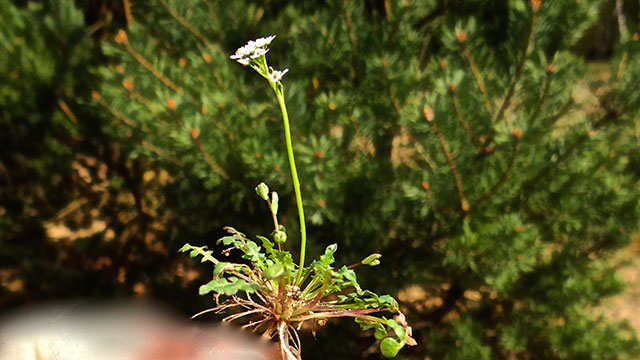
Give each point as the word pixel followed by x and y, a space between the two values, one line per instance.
pixel 380 331
pixel 194 251
pixel 228 240
pixel 397 328
pixel 252 252
pixel 327 258
pixel 219 267
pixel 228 286
pixel 268 244
pixel 274 271
pixel 349 279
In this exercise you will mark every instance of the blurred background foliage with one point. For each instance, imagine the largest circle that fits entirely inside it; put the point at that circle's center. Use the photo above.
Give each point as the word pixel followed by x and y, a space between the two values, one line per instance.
pixel 490 153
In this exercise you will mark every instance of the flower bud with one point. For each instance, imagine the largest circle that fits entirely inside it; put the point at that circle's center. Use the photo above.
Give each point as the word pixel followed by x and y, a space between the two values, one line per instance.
pixel 121 37
pixel 461 36
pixel 517 133
pixel 280 236
pixel 372 260
pixel 428 113
pixel 171 104
pixel 274 203
pixel 263 191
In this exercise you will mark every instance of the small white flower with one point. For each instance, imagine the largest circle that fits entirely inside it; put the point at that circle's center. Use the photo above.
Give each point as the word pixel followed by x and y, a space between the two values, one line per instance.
pixel 264 41
pixel 252 50
pixel 243 61
pixel 275 75
pixel 259 52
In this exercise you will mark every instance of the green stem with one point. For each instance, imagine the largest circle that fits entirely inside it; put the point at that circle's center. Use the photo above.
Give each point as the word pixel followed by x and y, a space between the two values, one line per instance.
pixel 294 175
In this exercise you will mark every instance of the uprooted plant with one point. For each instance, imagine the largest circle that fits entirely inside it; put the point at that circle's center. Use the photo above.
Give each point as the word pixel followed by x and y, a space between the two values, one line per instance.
pixel 278 294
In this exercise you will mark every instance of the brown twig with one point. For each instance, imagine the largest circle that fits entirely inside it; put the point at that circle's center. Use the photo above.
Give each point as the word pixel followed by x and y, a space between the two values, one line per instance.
pixel 121 38
pixel 195 136
pixel 67 111
pixel 461 120
pixel 352 36
pixel 427 190
pixel 128 85
pixel 212 15
pixel 428 115
pixel 545 93
pixel 207 59
pixel 184 22
pixel 118 115
pixel 127 11
pixel 421 151
pixel 160 153
pixel 226 122
pixel 476 73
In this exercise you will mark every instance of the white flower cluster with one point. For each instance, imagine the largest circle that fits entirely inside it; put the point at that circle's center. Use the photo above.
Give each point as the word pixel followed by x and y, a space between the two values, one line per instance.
pixel 276 75
pixel 252 50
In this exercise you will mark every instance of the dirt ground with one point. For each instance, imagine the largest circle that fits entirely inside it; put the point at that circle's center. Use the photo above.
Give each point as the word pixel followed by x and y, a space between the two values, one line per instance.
pixel 626 305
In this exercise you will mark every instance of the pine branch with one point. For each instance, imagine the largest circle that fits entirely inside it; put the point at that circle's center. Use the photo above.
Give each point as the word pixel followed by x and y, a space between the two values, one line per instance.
pixel 324 34
pixel 535 182
pixel 118 115
pixel 488 138
pixel 145 144
pixel 421 151
pixel 121 38
pixel 216 75
pixel 428 115
pixel 517 133
pixel 352 36
pixel 352 40
pixel 516 78
pixel 128 85
pixel 462 36
pixel 123 118
pixel 545 92
pixel 226 123
pixel 564 110
pixel 184 22
pixel 461 120
pixel 171 106
pixel 213 165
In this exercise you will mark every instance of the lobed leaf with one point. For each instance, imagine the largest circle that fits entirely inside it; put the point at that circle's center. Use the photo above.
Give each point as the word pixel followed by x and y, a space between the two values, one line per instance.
pixel 228 286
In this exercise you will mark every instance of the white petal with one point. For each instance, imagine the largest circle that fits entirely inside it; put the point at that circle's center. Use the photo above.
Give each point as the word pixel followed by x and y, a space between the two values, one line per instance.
pixel 276 75
pixel 262 42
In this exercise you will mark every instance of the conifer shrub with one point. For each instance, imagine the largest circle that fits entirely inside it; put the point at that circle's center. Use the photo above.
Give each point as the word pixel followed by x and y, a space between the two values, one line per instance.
pixel 493 187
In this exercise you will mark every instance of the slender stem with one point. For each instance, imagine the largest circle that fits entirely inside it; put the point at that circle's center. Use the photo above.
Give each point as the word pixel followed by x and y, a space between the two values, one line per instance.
pixel 476 74
pixel 294 175
pixel 464 204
